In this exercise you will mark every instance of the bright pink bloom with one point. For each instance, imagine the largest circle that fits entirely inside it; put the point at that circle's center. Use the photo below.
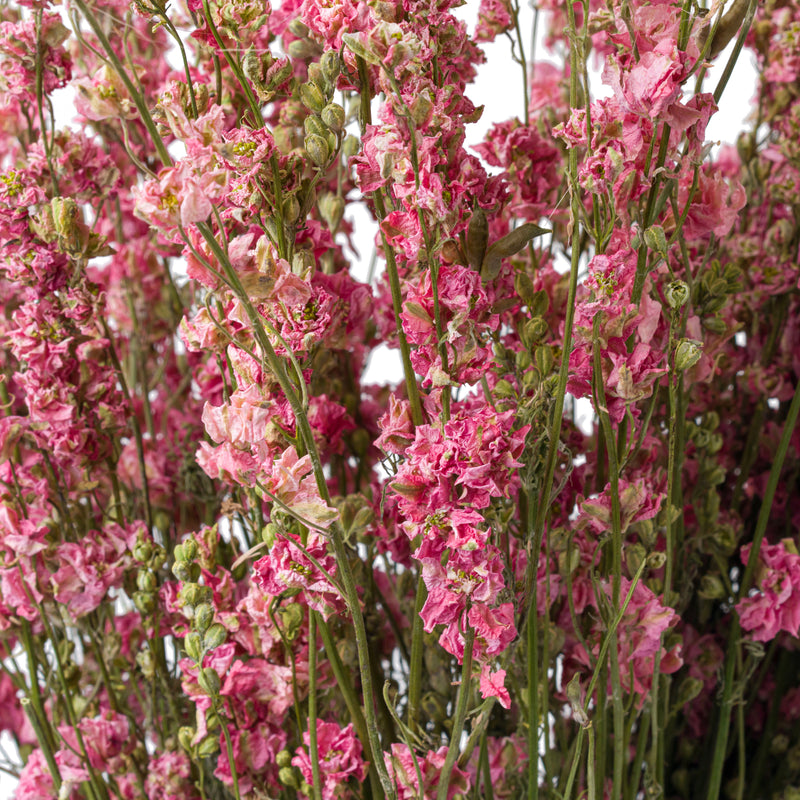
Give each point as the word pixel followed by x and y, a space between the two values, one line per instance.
pixel 775 606
pixel 339 759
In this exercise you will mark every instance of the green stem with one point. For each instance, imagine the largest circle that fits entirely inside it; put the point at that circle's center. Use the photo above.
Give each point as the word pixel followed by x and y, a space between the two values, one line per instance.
pixel 462 705
pixel 313 745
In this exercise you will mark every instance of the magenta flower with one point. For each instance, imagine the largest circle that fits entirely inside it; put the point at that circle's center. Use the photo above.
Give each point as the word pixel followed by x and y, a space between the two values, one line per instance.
pixel 774 605
pixel 339 759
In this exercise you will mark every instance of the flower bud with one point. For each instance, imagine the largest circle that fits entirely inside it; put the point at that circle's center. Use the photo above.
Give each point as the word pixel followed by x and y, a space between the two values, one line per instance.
pixel 677 293
pixel 687 354
pixel 284 758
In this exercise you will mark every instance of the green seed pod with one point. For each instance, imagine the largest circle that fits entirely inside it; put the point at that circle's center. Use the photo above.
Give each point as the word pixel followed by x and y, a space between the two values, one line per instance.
pixel 655 239
pixel 313 124
pixel 180 569
pixel 142 552
pixel 634 555
pixel 268 533
pixel 477 238
pixel 544 359
pixel 331 209
pixel 311 97
pixel 185 737
pixel 145 602
pixel 523 286
pixel 298 28
pixel 215 636
pixel 303 263
pixel 146 581
pixel 504 390
pixel 533 331
pixel 688 689
pixel 656 560
pixel 317 149
pixel 333 116
pixel 779 745
pixel 191 595
pixel 146 663
pixel 330 64
pixel 350 146
pixel 203 617
pixel 208 747
pixel 677 293
pixel 193 645
pixel 291 209
pixel 687 354
pixel 288 777
pixel 360 442
pixel 209 681
pixel 712 588
pixel 302 49
pixel 190 549
pixel 715 325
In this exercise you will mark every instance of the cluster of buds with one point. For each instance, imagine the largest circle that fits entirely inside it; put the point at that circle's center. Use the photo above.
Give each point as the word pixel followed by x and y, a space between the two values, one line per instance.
pixel 325 124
